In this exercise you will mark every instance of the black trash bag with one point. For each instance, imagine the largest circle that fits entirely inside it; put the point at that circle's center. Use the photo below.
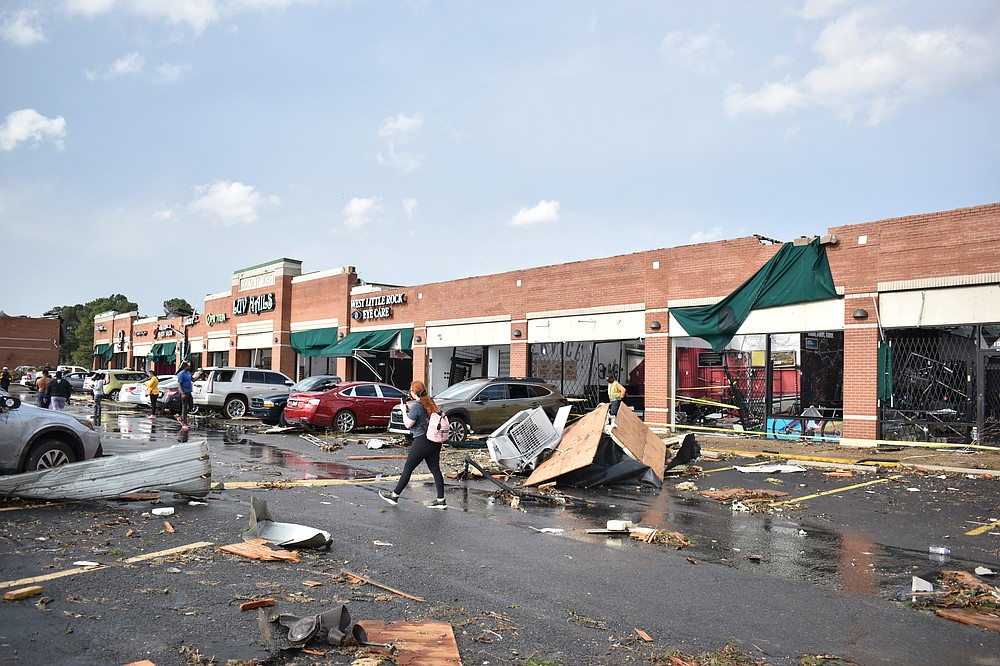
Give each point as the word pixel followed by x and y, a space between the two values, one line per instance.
pixel 333 626
pixel 689 452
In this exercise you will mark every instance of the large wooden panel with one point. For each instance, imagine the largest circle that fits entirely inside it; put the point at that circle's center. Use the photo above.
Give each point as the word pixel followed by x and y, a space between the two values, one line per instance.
pixel 576 449
pixel 630 433
pixel 421 643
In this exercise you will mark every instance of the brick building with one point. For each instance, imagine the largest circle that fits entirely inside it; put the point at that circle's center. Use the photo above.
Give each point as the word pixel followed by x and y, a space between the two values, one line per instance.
pixel 31 341
pixel 909 349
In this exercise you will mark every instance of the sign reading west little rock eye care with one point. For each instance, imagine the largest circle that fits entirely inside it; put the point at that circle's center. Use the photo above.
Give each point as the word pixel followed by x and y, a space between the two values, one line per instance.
pixel 253 304
pixel 375 307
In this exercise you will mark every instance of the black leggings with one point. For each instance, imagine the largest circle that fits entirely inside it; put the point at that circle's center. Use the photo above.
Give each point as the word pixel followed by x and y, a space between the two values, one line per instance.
pixel 427 451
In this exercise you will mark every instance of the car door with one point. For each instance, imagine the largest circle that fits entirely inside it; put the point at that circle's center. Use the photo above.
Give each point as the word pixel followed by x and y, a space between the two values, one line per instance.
pixel 491 407
pixel 367 405
pixel 389 398
pixel 11 436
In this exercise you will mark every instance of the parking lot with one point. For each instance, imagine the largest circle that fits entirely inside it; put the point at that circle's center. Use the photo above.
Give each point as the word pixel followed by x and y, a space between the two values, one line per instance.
pixel 818 570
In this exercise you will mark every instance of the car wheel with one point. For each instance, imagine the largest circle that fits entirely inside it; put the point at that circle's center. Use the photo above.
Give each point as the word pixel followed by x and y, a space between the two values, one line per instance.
pixel 281 420
pixel 235 408
pixel 459 429
pixel 114 395
pixel 344 421
pixel 49 453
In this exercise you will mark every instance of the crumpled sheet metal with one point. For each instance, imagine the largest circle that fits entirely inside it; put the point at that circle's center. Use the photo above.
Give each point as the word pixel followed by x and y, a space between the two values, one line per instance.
pixel 289 535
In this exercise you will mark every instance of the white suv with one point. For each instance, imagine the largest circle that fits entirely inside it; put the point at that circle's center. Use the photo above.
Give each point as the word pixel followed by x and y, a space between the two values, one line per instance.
pixel 230 389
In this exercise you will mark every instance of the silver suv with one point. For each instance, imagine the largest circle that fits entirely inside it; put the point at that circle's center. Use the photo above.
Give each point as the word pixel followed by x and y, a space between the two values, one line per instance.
pixel 33 438
pixel 230 389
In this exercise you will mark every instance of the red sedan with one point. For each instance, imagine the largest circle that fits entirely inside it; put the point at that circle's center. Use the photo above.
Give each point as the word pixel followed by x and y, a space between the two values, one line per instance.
pixel 348 406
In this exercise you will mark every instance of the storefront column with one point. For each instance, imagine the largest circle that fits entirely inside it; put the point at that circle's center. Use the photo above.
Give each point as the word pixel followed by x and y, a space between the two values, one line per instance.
pixel 657 379
pixel 420 364
pixel 519 349
pixel 861 339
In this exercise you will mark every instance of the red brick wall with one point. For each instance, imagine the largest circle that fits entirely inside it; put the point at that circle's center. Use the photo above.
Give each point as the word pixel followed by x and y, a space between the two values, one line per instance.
pixel 29 341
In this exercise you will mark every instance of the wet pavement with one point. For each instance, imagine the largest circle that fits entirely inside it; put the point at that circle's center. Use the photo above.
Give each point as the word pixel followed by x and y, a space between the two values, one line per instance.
pixel 831 541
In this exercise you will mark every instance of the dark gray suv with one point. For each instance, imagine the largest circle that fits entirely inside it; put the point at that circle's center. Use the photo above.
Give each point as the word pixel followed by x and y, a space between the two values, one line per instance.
pixel 483 405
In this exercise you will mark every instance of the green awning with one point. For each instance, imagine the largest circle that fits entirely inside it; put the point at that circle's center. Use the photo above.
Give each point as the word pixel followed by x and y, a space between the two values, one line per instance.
pixel 311 343
pixel 105 352
pixel 796 274
pixel 163 351
pixel 370 341
pixel 884 373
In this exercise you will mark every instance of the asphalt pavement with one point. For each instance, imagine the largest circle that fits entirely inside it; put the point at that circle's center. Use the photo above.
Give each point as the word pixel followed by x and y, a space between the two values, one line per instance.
pixel 817 571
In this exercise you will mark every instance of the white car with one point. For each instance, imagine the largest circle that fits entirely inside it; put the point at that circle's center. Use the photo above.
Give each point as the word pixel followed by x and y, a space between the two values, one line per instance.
pixel 134 393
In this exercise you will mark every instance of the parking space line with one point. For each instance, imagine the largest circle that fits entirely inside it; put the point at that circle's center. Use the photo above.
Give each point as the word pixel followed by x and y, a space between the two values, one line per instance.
pixel 982 529
pixel 723 469
pixel 301 483
pixel 26 506
pixel 835 490
pixel 78 570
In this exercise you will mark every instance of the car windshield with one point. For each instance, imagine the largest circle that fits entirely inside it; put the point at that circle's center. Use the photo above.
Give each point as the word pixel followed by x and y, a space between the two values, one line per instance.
pixel 460 391
pixel 311 383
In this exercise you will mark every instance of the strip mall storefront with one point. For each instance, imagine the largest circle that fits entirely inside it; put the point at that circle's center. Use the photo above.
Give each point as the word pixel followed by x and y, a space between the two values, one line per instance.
pixel 852 363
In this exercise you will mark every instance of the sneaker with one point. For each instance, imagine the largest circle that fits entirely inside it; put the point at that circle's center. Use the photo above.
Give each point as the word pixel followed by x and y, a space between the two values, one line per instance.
pixel 437 504
pixel 391 498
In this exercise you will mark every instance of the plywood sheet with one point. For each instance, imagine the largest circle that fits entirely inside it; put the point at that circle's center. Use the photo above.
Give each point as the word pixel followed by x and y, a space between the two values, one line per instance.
pixel 630 433
pixel 421 643
pixel 576 449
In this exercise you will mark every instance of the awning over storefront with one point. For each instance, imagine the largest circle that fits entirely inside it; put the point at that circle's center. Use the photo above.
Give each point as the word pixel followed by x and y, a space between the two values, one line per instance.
pixel 312 343
pixel 371 341
pixel 105 352
pixel 796 274
pixel 163 352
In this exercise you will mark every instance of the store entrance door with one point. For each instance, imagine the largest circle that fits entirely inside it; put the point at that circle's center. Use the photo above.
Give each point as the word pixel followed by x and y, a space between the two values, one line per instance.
pixel 988 407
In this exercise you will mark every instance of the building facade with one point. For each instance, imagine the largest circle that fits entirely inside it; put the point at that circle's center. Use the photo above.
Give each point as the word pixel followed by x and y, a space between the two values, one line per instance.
pixel 29 341
pixel 908 350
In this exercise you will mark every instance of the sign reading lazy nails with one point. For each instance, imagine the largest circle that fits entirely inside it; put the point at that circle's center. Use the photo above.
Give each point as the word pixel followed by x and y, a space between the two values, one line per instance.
pixel 375 307
pixel 253 304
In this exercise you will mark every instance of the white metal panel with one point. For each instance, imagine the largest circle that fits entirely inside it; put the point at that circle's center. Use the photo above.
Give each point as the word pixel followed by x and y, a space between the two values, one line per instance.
pixel 141 350
pixel 217 344
pixel 940 307
pixel 612 326
pixel 816 316
pixel 197 345
pixel 255 341
pixel 469 335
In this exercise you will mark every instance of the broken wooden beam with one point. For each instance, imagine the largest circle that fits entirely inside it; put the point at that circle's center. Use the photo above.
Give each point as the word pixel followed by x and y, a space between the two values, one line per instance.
pixel 257 603
pixel 362 579
pixel 23 593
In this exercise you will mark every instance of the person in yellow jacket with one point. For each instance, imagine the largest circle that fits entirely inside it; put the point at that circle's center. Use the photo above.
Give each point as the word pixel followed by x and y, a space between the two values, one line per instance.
pixel 615 394
pixel 153 391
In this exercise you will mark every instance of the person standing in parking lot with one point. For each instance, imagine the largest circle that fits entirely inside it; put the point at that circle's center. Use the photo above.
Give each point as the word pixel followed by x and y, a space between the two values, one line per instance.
pixel 153 391
pixel 59 391
pixel 186 388
pixel 42 385
pixel 5 379
pixel 615 394
pixel 416 417
pixel 98 389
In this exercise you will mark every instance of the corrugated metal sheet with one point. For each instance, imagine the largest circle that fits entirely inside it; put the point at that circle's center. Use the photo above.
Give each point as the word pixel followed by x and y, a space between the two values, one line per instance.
pixel 184 469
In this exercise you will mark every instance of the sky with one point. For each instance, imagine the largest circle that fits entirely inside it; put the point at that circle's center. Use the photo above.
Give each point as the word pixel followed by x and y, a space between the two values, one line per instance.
pixel 153 147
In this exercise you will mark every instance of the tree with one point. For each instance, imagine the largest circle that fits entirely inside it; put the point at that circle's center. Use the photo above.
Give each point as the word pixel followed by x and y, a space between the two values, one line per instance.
pixel 77 330
pixel 177 306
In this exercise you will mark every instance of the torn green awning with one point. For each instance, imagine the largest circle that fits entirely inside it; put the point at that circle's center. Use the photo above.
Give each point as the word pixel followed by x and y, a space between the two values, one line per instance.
pixel 105 352
pixel 312 343
pixel 372 341
pixel 163 352
pixel 884 373
pixel 796 274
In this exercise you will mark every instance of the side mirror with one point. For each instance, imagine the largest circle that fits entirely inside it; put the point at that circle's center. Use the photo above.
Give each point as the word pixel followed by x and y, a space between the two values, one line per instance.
pixel 289 382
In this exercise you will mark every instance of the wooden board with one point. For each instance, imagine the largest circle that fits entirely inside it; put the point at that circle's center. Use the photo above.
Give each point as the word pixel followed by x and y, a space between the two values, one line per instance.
pixel 576 449
pixel 634 436
pixel 421 643
pixel 966 616
pixel 256 549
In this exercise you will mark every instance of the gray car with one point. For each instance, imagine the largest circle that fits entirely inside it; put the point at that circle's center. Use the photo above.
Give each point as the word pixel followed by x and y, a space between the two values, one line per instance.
pixel 33 438
pixel 483 405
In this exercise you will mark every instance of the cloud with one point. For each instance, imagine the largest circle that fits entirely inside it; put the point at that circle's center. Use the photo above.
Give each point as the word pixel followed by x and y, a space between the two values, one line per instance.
pixel 402 160
pixel 17 29
pixel 401 124
pixel 359 212
pixel 545 211
pixel 715 233
pixel 699 51
pixel 131 63
pixel 820 9
pixel 29 125
pixel 410 207
pixel 230 202
pixel 164 215
pixel 169 73
pixel 873 68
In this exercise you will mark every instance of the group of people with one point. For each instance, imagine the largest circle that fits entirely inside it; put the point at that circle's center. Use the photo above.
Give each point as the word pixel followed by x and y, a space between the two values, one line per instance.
pixel 54 392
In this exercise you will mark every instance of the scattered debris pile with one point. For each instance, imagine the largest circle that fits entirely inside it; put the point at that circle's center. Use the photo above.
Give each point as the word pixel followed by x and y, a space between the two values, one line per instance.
pixel 962 597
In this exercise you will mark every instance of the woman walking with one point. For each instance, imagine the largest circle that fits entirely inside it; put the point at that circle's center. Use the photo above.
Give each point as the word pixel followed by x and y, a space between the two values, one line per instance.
pixel 416 417
pixel 153 391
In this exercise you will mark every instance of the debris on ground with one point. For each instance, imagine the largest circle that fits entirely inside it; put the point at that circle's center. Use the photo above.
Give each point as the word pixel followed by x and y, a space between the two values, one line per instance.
pixel 358 578
pixel 260 549
pixel 290 535
pixel 184 469
pixel 962 597
pixel 662 537
pixel 742 494
pixel 526 439
pixel 416 642
pixel 23 593
pixel 769 469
